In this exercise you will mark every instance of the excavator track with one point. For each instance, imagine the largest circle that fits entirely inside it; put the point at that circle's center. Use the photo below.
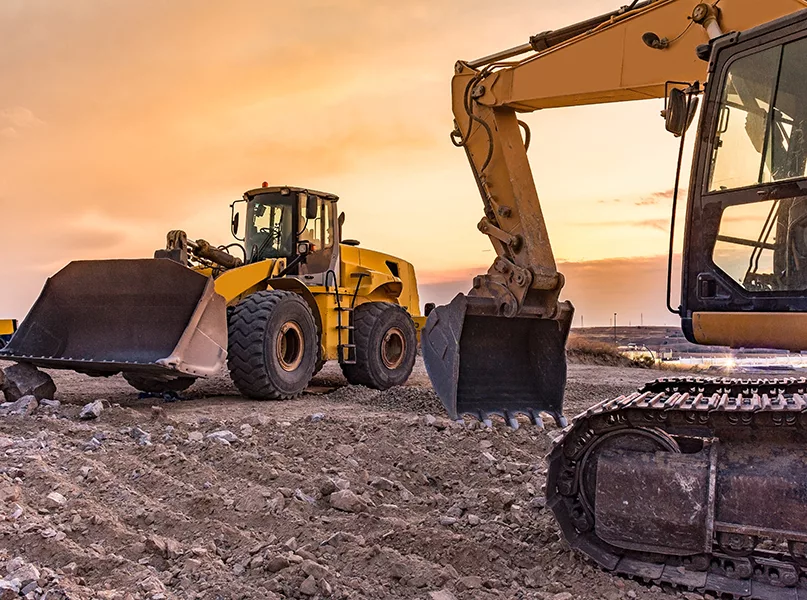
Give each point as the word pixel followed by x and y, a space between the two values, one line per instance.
pixel 697 483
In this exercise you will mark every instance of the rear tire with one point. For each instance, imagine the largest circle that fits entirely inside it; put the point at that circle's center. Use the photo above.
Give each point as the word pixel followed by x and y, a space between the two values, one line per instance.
pixel 272 345
pixel 386 346
pixel 158 386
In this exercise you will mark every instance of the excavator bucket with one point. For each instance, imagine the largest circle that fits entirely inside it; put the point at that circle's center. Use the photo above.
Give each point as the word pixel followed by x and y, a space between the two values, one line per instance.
pixel 481 364
pixel 153 317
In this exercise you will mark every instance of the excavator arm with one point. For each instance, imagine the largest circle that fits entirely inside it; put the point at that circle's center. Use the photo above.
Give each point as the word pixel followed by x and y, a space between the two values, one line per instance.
pixel 500 349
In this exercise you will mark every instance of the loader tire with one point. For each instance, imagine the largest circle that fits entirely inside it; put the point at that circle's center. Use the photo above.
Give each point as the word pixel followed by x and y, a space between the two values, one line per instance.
pixel 386 346
pixel 158 386
pixel 272 345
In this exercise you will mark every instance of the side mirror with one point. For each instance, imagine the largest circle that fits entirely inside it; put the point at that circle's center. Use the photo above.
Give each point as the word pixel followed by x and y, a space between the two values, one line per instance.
pixel 235 218
pixel 234 224
pixel 679 112
pixel 311 207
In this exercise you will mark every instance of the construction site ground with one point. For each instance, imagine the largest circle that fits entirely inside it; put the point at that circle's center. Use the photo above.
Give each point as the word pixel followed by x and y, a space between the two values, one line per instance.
pixel 344 492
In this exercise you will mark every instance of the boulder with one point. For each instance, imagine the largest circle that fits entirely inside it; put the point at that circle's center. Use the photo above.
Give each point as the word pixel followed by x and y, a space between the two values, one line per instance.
pixel 26 380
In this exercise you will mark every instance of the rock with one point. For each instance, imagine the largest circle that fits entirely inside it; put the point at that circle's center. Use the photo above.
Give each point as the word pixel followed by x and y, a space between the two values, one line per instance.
pixel 25 574
pixel 429 420
pixel 195 436
pixel 447 521
pixel 192 564
pixel 55 500
pixel 151 585
pixel 92 410
pixel 26 380
pixel 325 587
pixel 314 569
pixel 290 544
pixel 316 417
pixel 246 430
pixel 563 596
pixel 52 404
pixel 9 589
pixel 309 587
pixel 143 437
pixel 383 484
pixel 347 501
pixel 165 547
pixel 442 595
pixel 301 495
pixel 223 435
pixel 344 449
pixel 25 407
pixel 499 498
pixel 473 519
pixel 471 582
pixel 276 563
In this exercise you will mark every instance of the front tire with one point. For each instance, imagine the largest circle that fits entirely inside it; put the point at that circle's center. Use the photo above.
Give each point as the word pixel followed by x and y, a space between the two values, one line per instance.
pixel 272 348
pixel 386 346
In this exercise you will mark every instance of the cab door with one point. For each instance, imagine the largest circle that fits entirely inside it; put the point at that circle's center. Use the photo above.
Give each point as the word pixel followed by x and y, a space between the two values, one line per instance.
pixel 745 258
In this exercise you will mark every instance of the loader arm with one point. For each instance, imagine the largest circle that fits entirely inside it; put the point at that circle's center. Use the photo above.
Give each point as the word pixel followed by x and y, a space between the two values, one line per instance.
pixel 629 54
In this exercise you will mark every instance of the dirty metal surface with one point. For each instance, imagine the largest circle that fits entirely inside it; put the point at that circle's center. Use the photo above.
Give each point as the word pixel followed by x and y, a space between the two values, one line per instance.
pixel 697 483
pixel 482 364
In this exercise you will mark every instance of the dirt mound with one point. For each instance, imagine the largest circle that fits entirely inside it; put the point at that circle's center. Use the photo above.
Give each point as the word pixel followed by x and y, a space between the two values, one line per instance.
pixel 398 398
pixel 586 351
pixel 354 494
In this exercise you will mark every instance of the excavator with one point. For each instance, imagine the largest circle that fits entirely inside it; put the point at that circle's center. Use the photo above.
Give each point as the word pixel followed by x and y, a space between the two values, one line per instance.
pixel 692 482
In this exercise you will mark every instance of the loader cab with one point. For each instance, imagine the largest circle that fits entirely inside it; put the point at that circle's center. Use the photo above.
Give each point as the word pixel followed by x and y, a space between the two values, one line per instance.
pixel 745 257
pixel 295 224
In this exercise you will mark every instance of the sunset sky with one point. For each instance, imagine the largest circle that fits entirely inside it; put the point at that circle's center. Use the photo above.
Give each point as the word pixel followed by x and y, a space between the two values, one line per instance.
pixel 122 120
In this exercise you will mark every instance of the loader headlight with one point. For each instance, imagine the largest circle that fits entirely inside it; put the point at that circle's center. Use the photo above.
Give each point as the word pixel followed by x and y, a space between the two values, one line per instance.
pixel 303 248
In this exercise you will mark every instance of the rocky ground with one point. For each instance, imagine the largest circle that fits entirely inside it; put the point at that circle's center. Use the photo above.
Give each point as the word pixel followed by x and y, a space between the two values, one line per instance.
pixel 342 493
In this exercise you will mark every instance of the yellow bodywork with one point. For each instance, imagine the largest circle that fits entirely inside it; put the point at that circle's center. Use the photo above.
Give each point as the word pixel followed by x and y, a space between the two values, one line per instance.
pixel 365 275
pixel 7 326
pixel 787 331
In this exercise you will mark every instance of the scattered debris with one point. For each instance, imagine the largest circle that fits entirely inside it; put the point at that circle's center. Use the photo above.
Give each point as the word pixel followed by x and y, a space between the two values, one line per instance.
pixel 91 410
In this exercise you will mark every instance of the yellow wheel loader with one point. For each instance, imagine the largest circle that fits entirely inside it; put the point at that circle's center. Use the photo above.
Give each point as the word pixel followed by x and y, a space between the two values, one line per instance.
pixel 7 329
pixel 289 295
pixel 696 483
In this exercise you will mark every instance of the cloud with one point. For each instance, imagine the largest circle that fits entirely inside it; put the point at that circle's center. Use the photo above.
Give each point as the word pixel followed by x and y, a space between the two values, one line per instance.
pixel 657 198
pixel 659 224
pixel 19 117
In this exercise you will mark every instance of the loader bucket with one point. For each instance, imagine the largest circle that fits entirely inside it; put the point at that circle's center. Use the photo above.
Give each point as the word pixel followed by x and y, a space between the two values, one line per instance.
pixel 149 316
pixel 481 364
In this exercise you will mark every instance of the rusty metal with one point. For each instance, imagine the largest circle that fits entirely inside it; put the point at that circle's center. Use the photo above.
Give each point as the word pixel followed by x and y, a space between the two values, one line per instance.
pixel 150 316
pixel 695 482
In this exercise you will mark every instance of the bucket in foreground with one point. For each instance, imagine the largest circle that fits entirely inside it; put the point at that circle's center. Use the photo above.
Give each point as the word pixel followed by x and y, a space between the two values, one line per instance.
pixel 150 316
pixel 481 364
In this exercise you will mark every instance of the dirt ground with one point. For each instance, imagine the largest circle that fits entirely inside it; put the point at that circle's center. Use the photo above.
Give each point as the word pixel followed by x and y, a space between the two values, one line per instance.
pixel 341 493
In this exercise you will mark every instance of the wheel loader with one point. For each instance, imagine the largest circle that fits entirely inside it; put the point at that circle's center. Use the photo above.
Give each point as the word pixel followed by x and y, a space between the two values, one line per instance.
pixel 276 304
pixel 696 483
pixel 7 329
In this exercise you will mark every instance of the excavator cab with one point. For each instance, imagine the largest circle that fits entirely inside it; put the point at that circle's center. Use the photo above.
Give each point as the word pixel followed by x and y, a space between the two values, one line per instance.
pixel 745 263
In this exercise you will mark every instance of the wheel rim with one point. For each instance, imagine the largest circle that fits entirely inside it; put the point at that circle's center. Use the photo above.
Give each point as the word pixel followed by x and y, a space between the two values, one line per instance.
pixel 393 348
pixel 290 346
